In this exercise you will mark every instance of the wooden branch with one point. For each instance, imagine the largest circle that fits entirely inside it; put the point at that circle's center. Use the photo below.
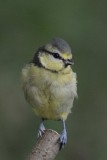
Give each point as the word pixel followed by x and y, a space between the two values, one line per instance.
pixel 47 146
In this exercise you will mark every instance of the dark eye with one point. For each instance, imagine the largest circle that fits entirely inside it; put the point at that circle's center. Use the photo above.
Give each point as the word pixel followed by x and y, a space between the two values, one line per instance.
pixel 56 55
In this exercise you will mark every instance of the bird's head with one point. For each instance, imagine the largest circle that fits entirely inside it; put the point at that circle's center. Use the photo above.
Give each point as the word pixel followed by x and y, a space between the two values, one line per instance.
pixel 54 56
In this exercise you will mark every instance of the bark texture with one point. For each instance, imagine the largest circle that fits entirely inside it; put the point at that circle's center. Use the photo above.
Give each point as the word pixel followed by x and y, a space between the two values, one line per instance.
pixel 47 146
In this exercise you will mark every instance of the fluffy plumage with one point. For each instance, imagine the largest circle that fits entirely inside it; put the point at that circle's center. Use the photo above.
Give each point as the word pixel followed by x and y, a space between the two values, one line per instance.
pixel 50 94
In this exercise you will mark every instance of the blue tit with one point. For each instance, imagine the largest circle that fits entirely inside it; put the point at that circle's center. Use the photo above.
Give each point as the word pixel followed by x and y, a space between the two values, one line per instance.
pixel 50 85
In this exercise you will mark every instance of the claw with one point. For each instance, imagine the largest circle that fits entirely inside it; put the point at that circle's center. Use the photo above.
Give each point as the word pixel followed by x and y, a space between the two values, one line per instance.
pixel 63 137
pixel 41 129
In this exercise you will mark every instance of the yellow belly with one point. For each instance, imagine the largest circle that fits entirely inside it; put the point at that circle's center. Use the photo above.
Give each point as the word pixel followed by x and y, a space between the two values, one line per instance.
pixel 50 94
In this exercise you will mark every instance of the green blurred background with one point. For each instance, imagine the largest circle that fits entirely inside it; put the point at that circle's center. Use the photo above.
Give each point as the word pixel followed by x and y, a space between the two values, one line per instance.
pixel 26 25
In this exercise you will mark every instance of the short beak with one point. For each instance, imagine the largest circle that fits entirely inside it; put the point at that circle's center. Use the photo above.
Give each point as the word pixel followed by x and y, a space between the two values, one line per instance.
pixel 69 62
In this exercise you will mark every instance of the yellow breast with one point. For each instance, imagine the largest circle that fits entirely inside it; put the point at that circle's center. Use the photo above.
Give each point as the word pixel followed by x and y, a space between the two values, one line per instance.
pixel 50 94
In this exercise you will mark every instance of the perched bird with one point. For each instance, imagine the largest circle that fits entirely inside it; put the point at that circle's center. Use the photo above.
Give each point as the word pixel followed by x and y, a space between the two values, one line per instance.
pixel 49 83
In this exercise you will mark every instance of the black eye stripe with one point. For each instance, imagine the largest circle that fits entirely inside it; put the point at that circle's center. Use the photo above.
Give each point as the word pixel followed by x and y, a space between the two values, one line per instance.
pixel 55 55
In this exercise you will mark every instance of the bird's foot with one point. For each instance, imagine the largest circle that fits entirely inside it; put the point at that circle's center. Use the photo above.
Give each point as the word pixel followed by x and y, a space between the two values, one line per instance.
pixel 63 139
pixel 41 130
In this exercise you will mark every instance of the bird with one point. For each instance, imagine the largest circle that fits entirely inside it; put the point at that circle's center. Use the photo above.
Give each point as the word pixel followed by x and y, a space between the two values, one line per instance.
pixel 50 85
